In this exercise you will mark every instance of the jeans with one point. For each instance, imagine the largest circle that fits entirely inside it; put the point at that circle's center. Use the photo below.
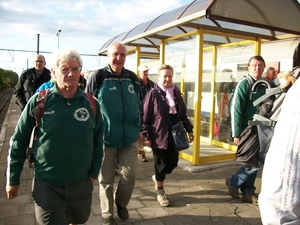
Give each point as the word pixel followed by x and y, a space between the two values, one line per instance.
pixel 245 179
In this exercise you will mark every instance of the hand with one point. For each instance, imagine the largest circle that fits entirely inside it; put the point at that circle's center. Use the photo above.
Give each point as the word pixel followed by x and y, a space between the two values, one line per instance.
pixel 147 143
pixel 12 191
pixel 191 137
pixel 236 141
pixel 92 179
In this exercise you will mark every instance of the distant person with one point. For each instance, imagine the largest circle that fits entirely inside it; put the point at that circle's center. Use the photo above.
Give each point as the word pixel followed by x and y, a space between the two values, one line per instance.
pixel 67 150
pixel 241 111
pixel 156 131
pixel 270 74
pixel 117 90
pixel 279 199
pixel 30 80
pixel 146 85
pixel 223 96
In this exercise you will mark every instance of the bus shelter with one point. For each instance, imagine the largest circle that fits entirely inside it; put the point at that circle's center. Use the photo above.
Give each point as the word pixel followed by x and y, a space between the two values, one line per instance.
pixel 209 43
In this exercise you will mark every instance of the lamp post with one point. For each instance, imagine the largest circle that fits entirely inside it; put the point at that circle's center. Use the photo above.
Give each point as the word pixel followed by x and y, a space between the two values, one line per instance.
pixel 57 34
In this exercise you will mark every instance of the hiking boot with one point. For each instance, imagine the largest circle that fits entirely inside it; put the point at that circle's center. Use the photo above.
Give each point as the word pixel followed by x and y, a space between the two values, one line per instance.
pixel 162 198
pixel 154 180
pixel 122 212
pixel 232 191
pixel 109 221
pixel 251 198
pixel 142 158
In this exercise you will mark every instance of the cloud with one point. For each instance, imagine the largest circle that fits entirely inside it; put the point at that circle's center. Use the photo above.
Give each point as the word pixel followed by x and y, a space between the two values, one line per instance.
pixel 86 25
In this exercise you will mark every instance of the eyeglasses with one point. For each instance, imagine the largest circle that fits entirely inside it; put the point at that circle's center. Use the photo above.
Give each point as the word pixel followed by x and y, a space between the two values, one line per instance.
pixel 39 61
pixel 258 65
pixel 68 70
pixel 116 54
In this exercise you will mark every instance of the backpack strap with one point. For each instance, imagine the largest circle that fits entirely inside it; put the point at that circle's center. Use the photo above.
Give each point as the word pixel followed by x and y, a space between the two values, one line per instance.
pixel 37 113
pixel 93 102
pixel 250 82
pixel 262 121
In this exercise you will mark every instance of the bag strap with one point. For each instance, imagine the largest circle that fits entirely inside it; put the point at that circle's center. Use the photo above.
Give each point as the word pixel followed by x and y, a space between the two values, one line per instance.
pixel 164 108
pixel 92 100
pixel 37 113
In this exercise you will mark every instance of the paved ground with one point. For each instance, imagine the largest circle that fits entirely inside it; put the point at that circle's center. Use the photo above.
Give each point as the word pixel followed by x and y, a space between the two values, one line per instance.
pixel 196 198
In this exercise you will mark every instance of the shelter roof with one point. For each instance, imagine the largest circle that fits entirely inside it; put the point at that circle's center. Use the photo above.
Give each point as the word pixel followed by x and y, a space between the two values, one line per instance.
pixel 223 21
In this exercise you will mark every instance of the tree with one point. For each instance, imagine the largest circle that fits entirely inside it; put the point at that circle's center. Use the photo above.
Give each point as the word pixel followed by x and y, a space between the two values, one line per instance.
pixel 8 78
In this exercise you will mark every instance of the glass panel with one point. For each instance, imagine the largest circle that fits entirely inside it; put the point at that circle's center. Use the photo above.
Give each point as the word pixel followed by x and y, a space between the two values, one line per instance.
pixel 232 65
pixel 276 13
pixel 181 54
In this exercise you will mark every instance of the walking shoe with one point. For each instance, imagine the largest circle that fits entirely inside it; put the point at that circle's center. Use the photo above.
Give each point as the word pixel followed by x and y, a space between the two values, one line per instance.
pixel 232 191
pixel 142 158
pixel 162 198
pixel 154 180
pixel 109 221
pixel 122 212
pixel 251 198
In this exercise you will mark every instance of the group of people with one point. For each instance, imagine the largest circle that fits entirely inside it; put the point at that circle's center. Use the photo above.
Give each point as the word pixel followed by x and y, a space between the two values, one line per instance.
pixel 66 162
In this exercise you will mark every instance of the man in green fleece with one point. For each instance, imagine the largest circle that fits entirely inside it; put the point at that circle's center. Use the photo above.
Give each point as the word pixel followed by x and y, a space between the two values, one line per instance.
pixel 117 90
pixel 66 162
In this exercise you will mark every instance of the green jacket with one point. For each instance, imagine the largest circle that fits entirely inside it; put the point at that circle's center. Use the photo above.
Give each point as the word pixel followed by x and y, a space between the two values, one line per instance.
pixel 241 106
pixel 119 101
pixel 69 144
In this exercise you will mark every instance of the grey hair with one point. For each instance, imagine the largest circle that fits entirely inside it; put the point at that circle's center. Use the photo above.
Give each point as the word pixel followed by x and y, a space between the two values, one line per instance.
pixel 64 54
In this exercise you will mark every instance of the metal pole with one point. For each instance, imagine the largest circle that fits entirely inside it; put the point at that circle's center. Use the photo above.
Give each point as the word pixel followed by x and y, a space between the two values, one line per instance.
pixel 57 34
pixel 38 44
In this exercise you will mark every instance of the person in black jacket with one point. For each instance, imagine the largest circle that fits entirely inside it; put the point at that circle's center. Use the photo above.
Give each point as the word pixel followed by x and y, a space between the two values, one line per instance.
pixel 146 85
pixel 30 80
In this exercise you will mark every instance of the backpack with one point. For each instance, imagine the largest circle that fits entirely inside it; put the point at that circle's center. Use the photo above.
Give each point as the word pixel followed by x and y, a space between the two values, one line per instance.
pixel 37 113
pixel 256 138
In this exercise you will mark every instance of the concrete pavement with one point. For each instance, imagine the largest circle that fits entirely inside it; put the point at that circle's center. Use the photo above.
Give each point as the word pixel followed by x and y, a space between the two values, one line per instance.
pixel 196 198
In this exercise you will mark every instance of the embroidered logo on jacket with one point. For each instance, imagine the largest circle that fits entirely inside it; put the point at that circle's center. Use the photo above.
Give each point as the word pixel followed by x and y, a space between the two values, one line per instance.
pixel 131 88
pixel 81 114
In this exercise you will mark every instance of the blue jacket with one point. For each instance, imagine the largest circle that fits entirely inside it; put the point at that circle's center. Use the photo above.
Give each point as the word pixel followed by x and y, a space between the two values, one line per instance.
pixel 45 86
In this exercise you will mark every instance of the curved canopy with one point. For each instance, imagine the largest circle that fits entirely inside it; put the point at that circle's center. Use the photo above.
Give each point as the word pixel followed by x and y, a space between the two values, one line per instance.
pixel 265 19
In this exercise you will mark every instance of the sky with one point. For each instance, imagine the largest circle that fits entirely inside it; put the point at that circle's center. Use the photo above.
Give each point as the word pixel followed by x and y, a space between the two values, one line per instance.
pixel 86 25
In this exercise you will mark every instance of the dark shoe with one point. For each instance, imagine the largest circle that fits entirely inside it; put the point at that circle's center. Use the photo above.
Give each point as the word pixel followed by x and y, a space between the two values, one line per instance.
pixel 251 198
pixel 109 221
pixel 232 191
pixel 122 212
pixel 142 158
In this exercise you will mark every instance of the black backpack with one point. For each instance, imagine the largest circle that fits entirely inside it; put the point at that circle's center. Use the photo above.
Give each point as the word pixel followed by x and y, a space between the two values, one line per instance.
pixel 256 138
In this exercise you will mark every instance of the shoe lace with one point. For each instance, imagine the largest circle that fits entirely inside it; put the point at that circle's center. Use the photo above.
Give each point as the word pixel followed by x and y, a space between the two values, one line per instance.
pixel 162 194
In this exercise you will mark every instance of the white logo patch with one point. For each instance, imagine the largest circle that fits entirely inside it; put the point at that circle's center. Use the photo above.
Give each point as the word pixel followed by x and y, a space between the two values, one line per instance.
pixel 81 114
pixel 131 88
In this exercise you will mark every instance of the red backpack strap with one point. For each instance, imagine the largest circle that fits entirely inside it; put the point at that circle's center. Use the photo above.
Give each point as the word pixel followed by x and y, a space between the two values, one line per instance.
pixel 93 103
pixel 40 105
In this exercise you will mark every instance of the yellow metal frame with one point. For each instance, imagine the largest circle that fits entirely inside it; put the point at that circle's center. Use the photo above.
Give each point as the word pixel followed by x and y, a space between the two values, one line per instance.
pixel 196 158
